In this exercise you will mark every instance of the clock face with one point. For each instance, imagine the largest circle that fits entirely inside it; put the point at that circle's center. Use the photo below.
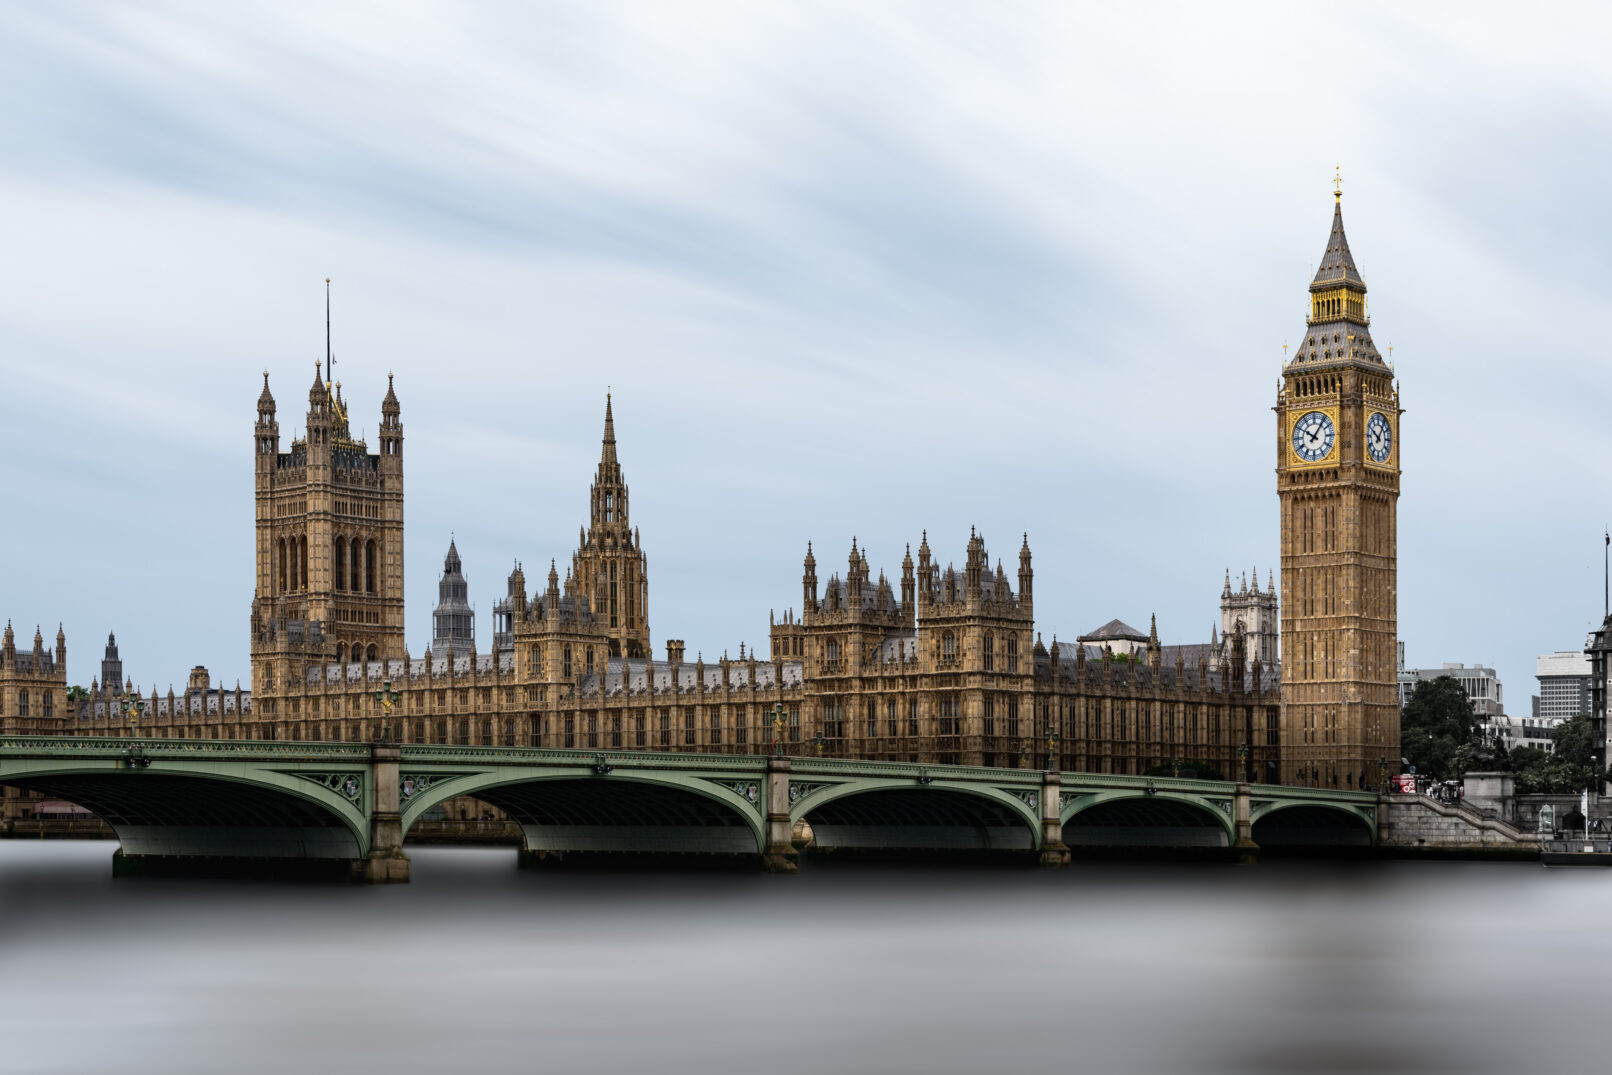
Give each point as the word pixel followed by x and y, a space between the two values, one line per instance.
pixel 1379 438
pixel 1313 436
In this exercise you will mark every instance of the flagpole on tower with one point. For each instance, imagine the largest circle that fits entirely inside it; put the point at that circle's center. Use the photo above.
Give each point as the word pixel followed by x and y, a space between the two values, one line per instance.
pixel 327 330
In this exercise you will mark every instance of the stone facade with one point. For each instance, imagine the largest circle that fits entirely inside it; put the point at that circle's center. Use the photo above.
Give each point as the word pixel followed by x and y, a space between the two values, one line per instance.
pixel 935 664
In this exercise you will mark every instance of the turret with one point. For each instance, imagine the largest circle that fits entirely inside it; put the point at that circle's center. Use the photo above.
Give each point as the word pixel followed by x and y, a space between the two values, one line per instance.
pixel 391 425
pixel 907 584
pixel 976 563
pixel 61 648
pixel 926 573
pixel 853 578
pixel 808 580
pixel 267 429
pixel 1026 575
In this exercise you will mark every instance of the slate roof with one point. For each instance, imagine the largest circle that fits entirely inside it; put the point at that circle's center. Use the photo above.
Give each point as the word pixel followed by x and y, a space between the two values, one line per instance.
pixel 1112 631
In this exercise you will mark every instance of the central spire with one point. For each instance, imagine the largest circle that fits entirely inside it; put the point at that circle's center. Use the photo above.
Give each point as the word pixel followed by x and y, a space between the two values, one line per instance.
pixel 609 453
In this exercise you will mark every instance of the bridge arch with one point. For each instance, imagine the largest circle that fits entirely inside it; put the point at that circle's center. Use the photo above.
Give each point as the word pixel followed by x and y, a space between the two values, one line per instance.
pixel 1136 819
pixel 900 814
pixel 1311 824
pixel 577 809
pixel 170 810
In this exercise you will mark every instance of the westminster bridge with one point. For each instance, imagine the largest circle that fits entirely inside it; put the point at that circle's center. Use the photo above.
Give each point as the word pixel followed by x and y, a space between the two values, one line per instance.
pixel 347 807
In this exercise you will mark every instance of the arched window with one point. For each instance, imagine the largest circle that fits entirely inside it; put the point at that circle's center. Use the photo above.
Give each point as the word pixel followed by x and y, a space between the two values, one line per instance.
pixel 354 576
pixel 281 566
pixel 990 652
pixel 22 703
pixel 341 563
pixel 565 661
pixel 1013 653
pixel 590 660
pixel 302 555
pixel 341 653
pixel 373 653
pixel 369 567
pixel 948 647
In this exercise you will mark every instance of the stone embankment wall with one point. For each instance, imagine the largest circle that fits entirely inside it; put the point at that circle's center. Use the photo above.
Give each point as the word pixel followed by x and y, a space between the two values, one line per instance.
pixel 1416 822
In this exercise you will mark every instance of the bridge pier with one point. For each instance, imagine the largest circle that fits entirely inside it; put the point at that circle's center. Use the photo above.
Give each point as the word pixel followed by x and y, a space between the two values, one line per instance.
pixel 1242 819
pixel 779 855
pixel 1054 852
pixel 386 863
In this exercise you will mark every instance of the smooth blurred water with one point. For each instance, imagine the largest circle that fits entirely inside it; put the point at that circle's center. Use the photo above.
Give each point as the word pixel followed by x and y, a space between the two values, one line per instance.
pixel 479 967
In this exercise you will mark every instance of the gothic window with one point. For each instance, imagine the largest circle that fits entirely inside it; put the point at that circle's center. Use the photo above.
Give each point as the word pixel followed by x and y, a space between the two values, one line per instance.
pixel 442 731
pixel 873 718
pixel 741 725
pixel 948 647
pixel 1013 654
pixel 794 722
pixel 281 566
pixel 593 729
pixel 990 654
pixel 570 731
pixel 590 660
pixel 369 567
pixel 302 556
pixel 341 563
pixel 638 731
pixel 22 703
pixel 464 730
pixel 831 655
pixel 615 730
pixel 565 660
pixel 890 718
pixel 912 716
pixel 373 653
pixel 341 653
pixel 352 578
pixel 688 726
pixel 50 703
pixel 665 727
pixel 716 725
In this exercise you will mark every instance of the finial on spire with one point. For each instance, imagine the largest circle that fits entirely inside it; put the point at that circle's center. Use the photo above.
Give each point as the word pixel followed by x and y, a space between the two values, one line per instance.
pixel 1337 183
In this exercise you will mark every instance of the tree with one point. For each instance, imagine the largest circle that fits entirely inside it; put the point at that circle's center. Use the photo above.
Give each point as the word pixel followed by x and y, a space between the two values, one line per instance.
pixel 1435 725
pixel 1569 768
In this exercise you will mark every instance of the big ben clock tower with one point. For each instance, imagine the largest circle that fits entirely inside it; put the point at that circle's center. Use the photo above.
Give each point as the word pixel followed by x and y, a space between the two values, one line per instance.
pixel 1337 476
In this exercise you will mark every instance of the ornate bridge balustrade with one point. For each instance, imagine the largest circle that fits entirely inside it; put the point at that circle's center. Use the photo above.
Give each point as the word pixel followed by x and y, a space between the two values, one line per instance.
pixel 346 808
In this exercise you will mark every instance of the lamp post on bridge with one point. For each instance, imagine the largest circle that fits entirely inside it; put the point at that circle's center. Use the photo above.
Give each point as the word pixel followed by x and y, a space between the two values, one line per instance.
pixel 1052 747
pixel 778 729
pixel 387 697
pixel 134 708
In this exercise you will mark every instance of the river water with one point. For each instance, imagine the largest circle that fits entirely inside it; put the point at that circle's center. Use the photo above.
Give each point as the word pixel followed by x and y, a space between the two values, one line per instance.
pixel 479 967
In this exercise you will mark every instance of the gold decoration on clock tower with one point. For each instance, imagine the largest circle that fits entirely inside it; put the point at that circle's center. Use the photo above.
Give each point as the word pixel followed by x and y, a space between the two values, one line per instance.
pixel 1337 473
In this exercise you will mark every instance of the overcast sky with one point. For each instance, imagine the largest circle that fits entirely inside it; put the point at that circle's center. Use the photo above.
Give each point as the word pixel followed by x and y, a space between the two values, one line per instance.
pixel 849 269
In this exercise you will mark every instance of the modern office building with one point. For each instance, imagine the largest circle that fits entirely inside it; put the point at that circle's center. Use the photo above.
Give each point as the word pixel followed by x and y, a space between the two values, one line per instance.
pixel 1481 684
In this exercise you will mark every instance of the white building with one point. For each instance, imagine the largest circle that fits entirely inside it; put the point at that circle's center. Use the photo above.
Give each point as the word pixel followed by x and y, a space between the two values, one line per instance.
pixel 1481 684
pixel 1564 685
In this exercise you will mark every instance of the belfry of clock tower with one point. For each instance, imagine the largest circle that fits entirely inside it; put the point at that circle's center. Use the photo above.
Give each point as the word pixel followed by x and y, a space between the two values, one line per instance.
pixel 1337 478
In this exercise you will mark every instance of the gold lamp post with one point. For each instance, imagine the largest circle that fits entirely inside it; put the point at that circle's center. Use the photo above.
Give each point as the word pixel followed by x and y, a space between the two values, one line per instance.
pixel 134 708
pixel 778 729
pixel 387 698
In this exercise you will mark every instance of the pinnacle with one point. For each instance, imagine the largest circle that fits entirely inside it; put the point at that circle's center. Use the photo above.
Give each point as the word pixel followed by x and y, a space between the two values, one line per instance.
pixel 1337 264
pixel 608 455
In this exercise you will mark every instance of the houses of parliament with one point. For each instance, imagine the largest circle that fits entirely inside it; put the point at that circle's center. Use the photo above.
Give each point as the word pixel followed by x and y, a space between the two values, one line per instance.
pixel 932 660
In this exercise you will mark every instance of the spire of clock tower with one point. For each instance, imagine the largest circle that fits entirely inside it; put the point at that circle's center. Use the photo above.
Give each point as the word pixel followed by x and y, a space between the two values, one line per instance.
pixel 1337 330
